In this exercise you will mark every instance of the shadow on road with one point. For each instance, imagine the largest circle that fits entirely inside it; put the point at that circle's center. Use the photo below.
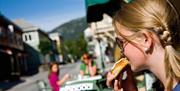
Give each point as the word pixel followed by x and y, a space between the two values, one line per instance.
pixel 7 85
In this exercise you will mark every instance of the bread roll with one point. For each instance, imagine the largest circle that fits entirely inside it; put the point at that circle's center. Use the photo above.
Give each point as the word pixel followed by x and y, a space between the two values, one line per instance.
pixel 119 66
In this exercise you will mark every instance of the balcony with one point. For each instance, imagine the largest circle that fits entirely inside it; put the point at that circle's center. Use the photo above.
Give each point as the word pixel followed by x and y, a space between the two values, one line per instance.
pixel 10 39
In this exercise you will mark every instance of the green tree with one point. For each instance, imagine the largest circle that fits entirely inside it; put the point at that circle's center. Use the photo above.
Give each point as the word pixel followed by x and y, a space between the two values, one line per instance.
pixel 76 47
pixel 45 46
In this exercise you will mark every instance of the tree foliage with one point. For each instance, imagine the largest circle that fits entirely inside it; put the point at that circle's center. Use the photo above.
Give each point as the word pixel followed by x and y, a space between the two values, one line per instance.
pixel 45 46
pixel 76 47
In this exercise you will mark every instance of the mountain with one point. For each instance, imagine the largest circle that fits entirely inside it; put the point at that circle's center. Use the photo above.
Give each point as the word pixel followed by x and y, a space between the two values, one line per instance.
pixel 72 29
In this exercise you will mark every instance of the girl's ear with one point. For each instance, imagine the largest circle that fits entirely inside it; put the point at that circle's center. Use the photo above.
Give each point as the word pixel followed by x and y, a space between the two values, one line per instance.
pixel 147 41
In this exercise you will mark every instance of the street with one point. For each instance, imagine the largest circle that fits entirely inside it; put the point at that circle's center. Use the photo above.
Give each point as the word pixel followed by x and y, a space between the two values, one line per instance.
pixel 30 83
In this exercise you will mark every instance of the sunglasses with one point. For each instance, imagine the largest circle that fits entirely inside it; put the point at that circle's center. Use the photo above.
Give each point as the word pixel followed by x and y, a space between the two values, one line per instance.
pixel 85 58
pixel 121 44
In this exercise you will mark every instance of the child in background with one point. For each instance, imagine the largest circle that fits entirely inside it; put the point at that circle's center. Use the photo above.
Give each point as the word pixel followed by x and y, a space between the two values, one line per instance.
pixel 53 77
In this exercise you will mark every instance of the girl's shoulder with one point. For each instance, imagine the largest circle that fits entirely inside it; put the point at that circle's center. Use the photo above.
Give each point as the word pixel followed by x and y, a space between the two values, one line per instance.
pixel 177 88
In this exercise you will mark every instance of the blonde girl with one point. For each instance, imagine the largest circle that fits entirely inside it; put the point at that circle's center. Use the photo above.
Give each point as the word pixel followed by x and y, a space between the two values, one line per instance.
pixel 148 32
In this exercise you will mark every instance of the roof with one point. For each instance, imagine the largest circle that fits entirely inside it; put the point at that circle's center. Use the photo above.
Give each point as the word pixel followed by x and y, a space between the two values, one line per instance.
pixel 6 21
pixel 25 25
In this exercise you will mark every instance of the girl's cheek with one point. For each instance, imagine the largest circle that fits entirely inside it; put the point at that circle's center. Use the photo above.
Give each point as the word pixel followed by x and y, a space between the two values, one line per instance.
pixel 135 56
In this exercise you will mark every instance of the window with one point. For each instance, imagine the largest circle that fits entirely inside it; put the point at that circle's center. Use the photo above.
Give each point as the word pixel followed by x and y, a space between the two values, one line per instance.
pixel 20 41
pixel 29 37
pixel 11 28
pixel 16 39
pixel 26 38
pixel 11 36
pixel 1 31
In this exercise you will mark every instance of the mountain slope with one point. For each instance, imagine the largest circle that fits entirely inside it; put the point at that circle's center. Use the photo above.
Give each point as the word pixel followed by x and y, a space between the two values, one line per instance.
pixel 72 29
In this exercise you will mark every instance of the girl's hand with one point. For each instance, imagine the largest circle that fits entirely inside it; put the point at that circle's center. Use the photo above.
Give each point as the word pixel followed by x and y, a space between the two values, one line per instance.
pixel 90 63
pixel 66 76
pixel 110 78
pixel 118 84
pixel 113 82
pixel 63 80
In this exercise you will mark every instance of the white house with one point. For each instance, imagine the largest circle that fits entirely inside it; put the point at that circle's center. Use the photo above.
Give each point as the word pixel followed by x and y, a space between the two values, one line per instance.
pixel 32 35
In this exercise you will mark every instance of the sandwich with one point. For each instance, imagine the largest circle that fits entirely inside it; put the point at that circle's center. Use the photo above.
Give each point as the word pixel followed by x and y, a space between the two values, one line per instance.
pixel 119 66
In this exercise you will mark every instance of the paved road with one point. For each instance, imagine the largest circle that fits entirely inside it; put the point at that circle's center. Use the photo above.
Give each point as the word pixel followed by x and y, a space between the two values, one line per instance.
pixel 30 83
pixel 72 69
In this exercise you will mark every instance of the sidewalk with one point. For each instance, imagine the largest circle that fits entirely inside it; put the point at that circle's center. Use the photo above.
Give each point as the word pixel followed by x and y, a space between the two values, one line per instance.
pixel 30 83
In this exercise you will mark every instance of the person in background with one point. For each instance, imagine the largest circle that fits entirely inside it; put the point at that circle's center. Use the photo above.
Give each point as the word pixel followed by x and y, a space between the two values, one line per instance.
pixel 53 77
pixel 148 33
pixel 88 66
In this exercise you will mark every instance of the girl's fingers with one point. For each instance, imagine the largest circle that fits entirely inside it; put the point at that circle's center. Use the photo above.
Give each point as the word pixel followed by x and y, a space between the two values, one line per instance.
pixel 121 89
pixel 110 78
pixel 112 82
pixel 117 86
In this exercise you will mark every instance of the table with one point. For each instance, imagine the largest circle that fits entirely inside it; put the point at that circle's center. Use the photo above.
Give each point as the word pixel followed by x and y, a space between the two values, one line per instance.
pixel 96 83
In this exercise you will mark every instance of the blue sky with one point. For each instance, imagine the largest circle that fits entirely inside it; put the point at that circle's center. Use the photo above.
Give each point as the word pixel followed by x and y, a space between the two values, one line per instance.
pixel 47 14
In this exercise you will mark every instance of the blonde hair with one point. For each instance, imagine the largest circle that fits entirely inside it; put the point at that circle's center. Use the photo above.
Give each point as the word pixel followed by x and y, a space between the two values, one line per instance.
pixel 160 17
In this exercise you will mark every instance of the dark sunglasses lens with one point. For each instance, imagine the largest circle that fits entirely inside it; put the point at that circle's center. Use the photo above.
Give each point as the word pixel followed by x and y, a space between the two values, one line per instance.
pixel 119 42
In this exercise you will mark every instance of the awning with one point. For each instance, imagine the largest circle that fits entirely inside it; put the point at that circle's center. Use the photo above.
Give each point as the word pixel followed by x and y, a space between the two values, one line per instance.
pixel 176 5
pixel 96 8
pixel 94 2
